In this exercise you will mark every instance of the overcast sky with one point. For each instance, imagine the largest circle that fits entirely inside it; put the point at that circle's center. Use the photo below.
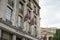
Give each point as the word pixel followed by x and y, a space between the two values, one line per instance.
pixel 50 13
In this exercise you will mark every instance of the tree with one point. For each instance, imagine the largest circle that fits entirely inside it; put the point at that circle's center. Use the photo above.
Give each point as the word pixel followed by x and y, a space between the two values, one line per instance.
pixel 57 35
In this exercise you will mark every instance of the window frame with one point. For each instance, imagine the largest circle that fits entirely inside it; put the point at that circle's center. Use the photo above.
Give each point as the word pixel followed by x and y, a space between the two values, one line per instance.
pixel 29 14
pixel 21 8
pixel 20 22
pixel 9 16
pixel 29 27
pixel 35 31
pixel 35 20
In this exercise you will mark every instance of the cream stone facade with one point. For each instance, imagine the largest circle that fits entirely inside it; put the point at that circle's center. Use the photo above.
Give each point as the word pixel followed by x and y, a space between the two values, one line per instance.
pixel 47 33
pixel 19 20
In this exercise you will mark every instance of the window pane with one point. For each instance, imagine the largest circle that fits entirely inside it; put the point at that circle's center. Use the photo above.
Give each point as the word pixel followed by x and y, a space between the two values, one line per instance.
pixel 21 7
pixel 35 31
pixel 29 14
pixel 28 27
pixel 19 21
pixel 35 21
pixel 8 14
pixel 11 2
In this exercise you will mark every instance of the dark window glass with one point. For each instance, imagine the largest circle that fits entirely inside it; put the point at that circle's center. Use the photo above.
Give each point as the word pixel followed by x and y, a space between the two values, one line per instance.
pixel 8 14
pixel 35 20
pixel 11 2
pixel 21 8
pixel 29 3
pixel 28 28
pixel 20 22
pixel 35 31
pixel 38 11
pixel 29 14
pixel 34 9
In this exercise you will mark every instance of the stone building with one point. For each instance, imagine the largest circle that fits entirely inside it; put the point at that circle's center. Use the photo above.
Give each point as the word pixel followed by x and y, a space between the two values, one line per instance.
pixel 19 20
pixel 47 33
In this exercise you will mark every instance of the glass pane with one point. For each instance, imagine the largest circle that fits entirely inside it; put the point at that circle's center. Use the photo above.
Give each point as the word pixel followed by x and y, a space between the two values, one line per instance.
pixel 21 8
pixel 8 14
pixel 28 27
pixel 11 2
pixel 19 23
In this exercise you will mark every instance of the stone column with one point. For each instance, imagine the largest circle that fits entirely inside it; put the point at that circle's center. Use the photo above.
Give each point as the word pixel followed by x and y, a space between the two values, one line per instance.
pixel 14 37
pixel 0 34
pixel 47 38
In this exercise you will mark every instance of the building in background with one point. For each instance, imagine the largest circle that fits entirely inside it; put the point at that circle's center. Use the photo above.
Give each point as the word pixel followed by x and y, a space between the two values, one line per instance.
pixel 19 20
pixel 47 33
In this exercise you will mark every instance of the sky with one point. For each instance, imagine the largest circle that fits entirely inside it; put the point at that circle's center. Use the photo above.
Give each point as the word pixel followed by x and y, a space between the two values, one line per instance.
pixel 50 13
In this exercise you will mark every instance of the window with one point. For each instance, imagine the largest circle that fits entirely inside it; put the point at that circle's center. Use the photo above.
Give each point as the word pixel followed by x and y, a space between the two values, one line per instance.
pixel 29 14
pixel 11 2
pixel 28 27
pixel 8 14
pixel 35 20
pixel 21 8
pixel 38 11
pixel 20 22
pixel 35 31
pixel 29 4
pixel 34 9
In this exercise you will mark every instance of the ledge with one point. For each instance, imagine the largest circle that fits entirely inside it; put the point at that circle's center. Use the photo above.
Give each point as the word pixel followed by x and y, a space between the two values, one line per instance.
pixel 15 28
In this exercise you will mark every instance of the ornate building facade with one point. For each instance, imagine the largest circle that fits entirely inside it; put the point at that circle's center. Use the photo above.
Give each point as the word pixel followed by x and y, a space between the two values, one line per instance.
pixel 19 20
